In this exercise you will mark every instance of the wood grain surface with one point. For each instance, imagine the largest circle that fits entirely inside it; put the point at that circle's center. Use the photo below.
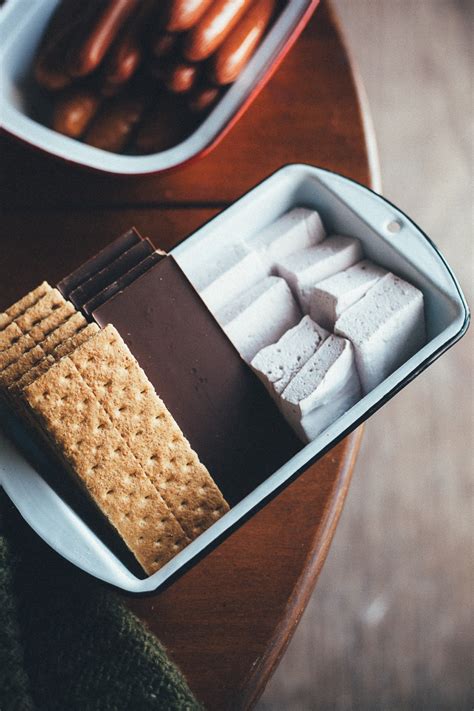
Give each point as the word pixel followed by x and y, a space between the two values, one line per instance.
pixel 228 620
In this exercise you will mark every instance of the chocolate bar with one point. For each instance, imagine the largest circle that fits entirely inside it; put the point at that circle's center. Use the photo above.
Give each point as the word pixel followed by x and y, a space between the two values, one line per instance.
pixel 122 281
pixel 218 402
pixel 111 271
pixel 98 261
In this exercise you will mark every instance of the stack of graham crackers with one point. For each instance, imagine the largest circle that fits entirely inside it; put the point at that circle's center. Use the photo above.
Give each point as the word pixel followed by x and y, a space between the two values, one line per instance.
pixel 85 395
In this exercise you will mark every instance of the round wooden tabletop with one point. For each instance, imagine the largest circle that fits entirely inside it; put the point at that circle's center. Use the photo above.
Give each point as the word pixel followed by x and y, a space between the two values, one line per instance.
pixel 228 620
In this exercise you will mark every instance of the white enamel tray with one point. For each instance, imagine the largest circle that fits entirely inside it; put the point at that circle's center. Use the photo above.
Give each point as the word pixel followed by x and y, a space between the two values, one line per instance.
pixel 22 23
pixel 346 208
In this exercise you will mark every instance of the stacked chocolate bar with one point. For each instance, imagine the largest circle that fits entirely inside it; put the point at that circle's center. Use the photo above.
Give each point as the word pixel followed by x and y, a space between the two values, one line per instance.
pixel 318 324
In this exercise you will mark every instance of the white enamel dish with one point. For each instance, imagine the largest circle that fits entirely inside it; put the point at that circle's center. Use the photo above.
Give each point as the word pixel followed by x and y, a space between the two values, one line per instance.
pixel 346 208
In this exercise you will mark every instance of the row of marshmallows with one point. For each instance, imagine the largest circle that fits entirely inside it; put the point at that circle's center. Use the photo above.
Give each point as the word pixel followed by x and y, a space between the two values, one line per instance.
pixel 317 322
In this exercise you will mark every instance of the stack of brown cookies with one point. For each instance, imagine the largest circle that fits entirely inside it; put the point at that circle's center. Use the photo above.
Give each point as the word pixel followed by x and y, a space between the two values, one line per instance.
pixel 84 393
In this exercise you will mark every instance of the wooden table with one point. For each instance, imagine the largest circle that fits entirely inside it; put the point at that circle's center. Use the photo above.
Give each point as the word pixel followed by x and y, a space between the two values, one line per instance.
pixel 228 620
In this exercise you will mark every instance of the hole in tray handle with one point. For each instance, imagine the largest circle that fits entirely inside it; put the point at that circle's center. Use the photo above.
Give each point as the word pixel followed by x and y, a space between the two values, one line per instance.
pixel 393 227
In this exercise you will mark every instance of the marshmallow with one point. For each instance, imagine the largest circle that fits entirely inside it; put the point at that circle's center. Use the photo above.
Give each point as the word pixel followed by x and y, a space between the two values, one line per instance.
pixel 227 272
pixel 295 230
pixel 325 388
pixel 386 327
pixel 259 316
pixel 304 269
pixel 334 295
pixel 276 364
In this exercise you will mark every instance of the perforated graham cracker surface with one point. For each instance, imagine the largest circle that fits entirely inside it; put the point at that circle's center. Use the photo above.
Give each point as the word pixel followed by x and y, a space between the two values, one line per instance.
pixel 35 324
pixel 33 315
pixel 9 335
pixel 71 325
pixel 15 391
pixel 16 343
pixel 61 350
pixel 100 457
pixel 24 303
pixel 151 432
pixel 73 342
pixel 31 375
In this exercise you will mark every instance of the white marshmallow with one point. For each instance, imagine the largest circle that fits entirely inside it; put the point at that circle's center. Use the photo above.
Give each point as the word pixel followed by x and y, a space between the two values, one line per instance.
pixel 325 387
pixel 276 364
pixel 386 327
pixel 295 230
pixel 259 316
pixel 334 295
pixel 304 269
pixel 227 272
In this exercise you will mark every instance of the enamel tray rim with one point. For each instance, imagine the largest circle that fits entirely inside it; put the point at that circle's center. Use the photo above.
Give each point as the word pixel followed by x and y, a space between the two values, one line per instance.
pixel 114 572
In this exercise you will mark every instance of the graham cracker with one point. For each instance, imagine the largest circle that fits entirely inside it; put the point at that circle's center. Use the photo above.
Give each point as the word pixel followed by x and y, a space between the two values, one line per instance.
pixel 10 335
pixel 72 325
pixel 40 310
pixel 99 457
pixel 15 390
pixel 68 345
pixel 40 330
pixel 24 303
pixel 14 393
pixel 57 317
pixel 30 376
pixel 16 350
pixel 32 357
pixel 16 369
pixel 150 430
pixel 72 343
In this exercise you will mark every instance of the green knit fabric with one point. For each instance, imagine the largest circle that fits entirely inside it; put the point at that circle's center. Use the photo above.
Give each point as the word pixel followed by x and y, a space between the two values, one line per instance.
pixel 68 643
